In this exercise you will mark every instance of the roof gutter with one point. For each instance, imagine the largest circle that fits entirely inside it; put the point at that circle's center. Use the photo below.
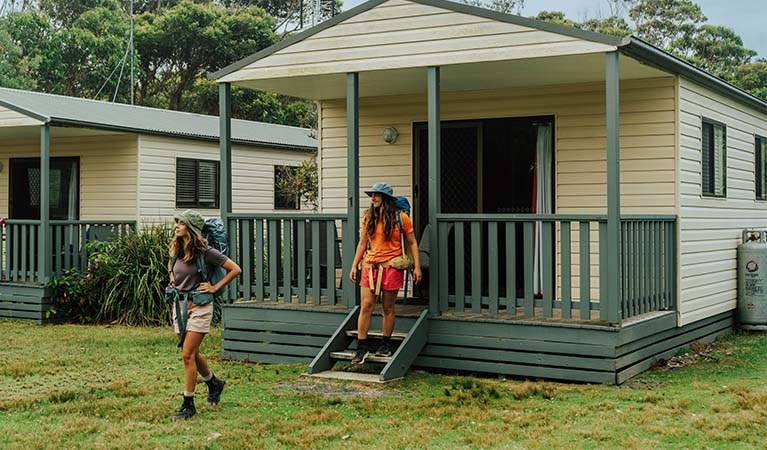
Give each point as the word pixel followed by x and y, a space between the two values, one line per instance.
pixel 644 52
pixel 81 124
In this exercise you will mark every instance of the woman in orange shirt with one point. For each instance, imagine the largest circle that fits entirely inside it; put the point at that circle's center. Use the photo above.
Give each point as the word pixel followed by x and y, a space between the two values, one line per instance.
pixel 380 242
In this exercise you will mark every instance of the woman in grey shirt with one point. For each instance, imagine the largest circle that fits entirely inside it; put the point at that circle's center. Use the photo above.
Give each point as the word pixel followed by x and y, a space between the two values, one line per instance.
pixel 185 276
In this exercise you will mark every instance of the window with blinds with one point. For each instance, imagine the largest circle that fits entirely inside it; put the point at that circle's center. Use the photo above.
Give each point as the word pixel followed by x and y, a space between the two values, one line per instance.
pixel 196 183
pixel 760 159
pixel 714 159
pixel 283 197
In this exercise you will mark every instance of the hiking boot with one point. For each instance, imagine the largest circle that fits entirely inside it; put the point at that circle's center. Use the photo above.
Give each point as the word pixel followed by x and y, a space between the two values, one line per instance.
pixel 215 388
pixel 187 410
pixel 360 355
pixel 384 349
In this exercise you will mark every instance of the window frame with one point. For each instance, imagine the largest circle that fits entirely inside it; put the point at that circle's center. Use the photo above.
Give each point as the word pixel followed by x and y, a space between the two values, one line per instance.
pixel 712 193
pixel 197 203
pixel 277 196
pixel 759 169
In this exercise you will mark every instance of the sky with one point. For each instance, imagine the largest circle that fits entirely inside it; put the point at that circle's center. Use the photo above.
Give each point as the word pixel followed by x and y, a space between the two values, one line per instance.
pixel 746 17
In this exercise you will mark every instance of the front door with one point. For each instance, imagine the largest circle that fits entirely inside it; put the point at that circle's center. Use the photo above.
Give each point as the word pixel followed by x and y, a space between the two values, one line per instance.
pixel 24 198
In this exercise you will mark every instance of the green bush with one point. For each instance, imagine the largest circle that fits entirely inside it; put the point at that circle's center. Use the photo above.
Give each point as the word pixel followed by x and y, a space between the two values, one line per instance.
pixel 125 282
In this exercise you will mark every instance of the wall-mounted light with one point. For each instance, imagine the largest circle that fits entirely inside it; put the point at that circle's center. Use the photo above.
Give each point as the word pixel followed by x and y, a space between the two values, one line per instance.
pixel 389 135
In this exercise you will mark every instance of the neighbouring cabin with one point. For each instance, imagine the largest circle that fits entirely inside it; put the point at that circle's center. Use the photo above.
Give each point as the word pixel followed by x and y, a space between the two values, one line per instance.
pixel 111 168
pixel 578 197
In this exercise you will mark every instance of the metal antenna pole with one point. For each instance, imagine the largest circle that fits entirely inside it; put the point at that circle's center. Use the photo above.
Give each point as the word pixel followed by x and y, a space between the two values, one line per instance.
pixel 132 83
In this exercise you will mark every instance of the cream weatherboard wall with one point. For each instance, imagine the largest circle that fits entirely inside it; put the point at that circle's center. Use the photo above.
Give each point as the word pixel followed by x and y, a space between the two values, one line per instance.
pixel 400 33
pixel 648 137
pixel 711 227
pixel 10 118
pixel 107 172
pixel 252 174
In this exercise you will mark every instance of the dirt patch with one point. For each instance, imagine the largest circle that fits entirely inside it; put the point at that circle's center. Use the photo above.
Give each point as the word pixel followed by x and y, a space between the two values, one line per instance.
pixel 698 352
pixel 334 390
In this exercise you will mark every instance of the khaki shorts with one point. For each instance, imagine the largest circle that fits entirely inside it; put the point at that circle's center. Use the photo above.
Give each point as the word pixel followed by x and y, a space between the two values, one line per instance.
pixel 198 317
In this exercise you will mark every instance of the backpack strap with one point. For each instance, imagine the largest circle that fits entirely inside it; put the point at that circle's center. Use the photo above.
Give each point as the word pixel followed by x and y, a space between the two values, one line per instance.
pixel 202 267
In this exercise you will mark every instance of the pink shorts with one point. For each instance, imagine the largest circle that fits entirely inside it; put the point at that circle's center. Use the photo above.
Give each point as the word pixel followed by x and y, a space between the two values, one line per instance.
pixel 392 279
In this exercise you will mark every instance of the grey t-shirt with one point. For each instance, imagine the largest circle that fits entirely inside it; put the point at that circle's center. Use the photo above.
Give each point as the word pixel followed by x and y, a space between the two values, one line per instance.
pixel 186 276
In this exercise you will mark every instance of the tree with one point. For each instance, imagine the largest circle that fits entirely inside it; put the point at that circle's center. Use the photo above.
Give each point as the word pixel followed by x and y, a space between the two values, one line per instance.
pixel 557 17
pixel 753 78
pixel 612 25
pixel 292 15
pixel 718 50
pixel 15 68
pixel 504 6
pixel 666 23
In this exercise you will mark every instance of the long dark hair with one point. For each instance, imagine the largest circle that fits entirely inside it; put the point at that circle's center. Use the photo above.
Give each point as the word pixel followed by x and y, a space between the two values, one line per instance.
pixel 187 247
pixel 387 212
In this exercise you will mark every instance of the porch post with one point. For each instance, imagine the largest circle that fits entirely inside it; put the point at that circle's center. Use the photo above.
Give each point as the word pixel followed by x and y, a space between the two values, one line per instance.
pixel 612 77
pixel 351 234
pixel 45 247
pixel 225 173
pixel 435 205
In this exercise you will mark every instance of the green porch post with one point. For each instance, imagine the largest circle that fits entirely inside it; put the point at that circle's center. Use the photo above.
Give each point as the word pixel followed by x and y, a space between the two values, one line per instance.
pixel 225 172
pixel 612 78
pixel 45 247
pixel 351 234
pixel 435 205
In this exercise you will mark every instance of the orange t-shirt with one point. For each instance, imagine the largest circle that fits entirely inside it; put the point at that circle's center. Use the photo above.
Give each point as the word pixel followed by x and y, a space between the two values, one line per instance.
pixel 382 250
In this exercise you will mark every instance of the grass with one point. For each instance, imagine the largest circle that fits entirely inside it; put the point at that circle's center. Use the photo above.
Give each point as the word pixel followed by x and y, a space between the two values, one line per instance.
pixel 115 387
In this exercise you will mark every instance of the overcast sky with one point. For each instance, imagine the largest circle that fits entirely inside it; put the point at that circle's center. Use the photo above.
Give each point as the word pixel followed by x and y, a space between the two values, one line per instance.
pixel 746 17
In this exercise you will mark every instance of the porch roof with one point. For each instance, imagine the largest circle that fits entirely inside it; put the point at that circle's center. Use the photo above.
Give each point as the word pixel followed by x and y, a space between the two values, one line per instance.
pixel 283 67
pixel 59 110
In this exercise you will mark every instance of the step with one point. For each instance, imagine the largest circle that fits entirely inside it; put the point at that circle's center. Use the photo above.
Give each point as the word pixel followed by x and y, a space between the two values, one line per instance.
pixel 348 355
pixel 378 334
pixel 350 376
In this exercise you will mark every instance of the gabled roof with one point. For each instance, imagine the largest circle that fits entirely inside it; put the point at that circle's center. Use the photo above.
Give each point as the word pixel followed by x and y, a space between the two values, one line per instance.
pixel 78 112
pixel 632 46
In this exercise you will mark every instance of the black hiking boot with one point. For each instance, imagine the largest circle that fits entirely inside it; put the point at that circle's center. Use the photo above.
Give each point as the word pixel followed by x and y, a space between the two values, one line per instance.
pixel 187 410
pixel 215 388
pixel 384 349
pixel 360 355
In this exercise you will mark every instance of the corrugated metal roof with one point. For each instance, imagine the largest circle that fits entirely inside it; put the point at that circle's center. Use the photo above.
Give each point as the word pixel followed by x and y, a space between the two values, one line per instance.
pixel 73 111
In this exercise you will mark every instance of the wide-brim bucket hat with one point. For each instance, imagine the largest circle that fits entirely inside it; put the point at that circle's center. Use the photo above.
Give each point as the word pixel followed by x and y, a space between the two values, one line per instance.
pixel 381 188
pixel 192 219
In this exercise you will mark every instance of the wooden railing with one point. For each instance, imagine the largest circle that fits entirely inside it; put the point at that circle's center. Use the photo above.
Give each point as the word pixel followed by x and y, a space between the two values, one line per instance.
pixel 288 257
pixel 20 246
pixel 648 264
pixel 489 263
pixel 69 239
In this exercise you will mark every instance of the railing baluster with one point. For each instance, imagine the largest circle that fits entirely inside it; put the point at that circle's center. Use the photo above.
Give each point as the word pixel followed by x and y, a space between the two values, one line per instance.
pixel 259 259
pixel 476 268
pixel 330 256
pixel 315 262
pixel 301 269
pixel 511 268
pixel 444 267
pixel 24 253
pixel 246 245
pixel 624 270
pixel 460 275
pixel 566 259
pixel 274 257
pixel 33 249
pixel 16 243
pixel 603 274
pixel 584 230
pixel 287 259
pixel 527 250
pixel 547 261
pixel 492 267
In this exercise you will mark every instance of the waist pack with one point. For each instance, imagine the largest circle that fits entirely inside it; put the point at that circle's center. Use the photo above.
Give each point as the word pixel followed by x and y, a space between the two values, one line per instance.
pixel 174 296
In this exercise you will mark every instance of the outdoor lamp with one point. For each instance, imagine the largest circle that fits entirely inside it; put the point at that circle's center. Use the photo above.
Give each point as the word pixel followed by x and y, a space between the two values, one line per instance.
pixel 389 135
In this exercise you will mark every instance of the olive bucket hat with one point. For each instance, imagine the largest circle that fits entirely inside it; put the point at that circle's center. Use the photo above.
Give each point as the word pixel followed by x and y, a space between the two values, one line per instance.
pixel 192 219
pixel 381 188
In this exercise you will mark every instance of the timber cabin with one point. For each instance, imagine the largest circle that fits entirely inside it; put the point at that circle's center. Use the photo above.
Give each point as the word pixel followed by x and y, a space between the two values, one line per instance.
pixel 110 168
pixel 582 208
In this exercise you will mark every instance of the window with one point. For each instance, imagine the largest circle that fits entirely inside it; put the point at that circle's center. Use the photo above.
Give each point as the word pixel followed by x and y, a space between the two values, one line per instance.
pixel 63 195
pixel 714 159
pixel 196 183
pixel 760 158
pixel 283 197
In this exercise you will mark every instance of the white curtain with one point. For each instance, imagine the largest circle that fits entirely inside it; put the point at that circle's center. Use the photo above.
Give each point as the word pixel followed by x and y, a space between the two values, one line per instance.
pixel 543 196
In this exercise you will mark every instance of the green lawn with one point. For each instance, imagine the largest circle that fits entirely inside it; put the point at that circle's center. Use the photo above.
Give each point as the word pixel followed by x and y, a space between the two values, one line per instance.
pixel 116 387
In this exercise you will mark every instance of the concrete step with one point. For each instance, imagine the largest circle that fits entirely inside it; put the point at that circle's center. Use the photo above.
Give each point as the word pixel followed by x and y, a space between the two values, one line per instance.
pixel 378 334
pixel 348 355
